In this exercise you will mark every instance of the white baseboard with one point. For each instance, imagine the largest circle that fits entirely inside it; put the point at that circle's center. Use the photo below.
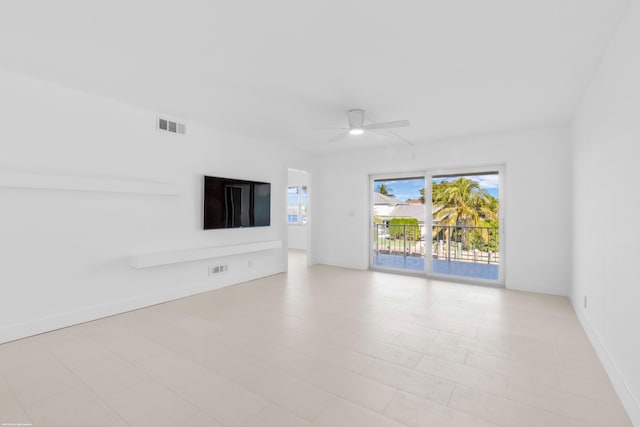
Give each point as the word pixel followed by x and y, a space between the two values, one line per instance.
pixel 95 312
pixel 629 402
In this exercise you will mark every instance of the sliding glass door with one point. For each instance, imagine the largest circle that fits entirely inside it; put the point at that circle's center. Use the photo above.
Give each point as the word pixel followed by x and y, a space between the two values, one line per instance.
pixel 442 223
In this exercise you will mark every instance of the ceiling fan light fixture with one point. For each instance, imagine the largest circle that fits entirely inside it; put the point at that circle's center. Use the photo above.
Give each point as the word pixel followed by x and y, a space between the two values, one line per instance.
pixel 357 126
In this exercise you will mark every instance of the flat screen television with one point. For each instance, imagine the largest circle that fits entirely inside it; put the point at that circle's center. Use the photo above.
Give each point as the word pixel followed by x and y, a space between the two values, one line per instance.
pixel 235 203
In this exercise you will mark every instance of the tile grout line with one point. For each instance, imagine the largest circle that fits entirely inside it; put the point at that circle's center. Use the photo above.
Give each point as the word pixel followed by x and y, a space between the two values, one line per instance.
pixel 22 406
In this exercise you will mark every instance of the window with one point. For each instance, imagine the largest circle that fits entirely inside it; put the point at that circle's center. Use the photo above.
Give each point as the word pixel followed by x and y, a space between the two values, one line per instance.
pixel 446 222
pixel 297 204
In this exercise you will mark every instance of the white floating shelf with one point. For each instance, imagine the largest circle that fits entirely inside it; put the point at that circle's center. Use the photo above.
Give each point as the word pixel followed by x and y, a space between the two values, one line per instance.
pixel 188 255
pixel 84 183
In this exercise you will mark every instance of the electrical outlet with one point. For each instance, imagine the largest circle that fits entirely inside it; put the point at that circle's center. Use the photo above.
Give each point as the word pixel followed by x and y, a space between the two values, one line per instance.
pixel 250 263
pixel 218 269
pixel 585 302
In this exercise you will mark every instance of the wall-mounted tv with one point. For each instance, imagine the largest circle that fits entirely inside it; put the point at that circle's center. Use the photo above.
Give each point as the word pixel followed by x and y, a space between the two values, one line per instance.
pixel 235 203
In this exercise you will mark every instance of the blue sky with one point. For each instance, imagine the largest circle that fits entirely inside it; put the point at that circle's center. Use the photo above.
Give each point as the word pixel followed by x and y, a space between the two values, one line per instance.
pixel 404 189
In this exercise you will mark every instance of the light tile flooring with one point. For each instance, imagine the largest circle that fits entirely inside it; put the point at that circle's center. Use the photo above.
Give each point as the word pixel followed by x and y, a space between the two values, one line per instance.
pixel 319 346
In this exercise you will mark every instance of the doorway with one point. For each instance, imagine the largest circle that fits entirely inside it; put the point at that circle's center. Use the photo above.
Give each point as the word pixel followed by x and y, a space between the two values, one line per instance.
pixel 298 215
pixel 445 224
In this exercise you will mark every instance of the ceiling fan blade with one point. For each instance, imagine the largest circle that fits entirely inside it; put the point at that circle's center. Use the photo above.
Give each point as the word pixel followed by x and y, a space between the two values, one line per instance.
pixel 378 133
pixel 400 138
pixel 387 125
pixel 337 137
pixel 326 128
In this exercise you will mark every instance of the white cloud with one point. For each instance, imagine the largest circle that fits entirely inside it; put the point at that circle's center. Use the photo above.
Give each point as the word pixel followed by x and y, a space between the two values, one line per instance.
pixel 485 181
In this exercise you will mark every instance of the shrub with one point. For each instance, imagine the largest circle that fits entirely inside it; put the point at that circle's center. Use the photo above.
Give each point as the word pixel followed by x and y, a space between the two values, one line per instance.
pixel 397 228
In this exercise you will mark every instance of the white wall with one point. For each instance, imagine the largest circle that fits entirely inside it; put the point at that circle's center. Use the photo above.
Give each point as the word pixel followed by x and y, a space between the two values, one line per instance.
pixel 538 200
pixel 64 254
pixel 298 233
pixel 606 141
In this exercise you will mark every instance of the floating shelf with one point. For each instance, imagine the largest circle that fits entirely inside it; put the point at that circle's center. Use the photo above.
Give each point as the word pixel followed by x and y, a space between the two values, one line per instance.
pixel 188 255
pixel 84 183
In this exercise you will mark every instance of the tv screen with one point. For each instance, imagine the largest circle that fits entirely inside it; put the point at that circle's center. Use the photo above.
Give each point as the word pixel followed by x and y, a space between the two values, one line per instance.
pixel 235 203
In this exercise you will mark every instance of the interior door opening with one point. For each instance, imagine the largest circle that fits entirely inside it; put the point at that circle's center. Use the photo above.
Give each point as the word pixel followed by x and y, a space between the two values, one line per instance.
pixel 299 214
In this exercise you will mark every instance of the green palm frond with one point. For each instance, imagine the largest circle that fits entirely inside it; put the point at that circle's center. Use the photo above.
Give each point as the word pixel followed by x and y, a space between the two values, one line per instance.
pixel 462 203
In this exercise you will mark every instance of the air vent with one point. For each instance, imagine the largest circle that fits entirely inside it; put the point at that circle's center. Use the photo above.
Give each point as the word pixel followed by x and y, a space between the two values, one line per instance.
pixel 166 125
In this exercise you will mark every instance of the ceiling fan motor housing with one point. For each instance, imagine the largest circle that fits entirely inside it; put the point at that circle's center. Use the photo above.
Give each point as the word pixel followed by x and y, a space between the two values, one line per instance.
pixel 356 118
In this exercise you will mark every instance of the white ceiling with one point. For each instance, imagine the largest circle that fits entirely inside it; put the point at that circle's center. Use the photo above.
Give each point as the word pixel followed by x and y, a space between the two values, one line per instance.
pixel 274 69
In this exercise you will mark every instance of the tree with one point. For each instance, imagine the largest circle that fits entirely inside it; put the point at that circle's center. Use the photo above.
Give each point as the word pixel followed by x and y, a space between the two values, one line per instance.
pixel 437 191
pixel 401 227
pixel 486 238
pixel 462 203
pixel 387 191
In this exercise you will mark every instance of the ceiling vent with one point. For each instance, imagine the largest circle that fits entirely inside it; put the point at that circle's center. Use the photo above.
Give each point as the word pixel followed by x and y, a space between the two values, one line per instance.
pixel 167 125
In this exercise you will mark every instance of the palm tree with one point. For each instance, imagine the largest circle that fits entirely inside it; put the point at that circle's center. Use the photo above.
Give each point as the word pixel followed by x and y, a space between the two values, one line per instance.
pixel 387 191
pixel 462 203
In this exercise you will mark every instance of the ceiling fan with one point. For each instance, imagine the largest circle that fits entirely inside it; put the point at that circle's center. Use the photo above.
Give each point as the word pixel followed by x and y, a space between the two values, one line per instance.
pixel 358 127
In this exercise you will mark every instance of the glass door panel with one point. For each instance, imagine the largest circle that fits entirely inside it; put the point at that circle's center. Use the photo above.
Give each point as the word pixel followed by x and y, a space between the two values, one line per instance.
pixel 466 226
pixel 398 224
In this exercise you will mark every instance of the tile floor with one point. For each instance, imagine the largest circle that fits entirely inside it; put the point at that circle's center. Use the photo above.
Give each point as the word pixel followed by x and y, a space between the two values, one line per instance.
pixel 323 347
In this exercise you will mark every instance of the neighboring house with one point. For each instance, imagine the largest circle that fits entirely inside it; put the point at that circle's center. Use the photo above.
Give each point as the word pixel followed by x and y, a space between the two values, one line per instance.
pixel 386 208
pixel 409 210
pixel 383 205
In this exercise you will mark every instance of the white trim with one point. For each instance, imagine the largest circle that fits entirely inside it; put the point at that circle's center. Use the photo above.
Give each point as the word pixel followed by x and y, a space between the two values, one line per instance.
pixel 309 219
pixel 297 170
pixel 397 175
pixel 84 183
pixel 629 402
pixel 428 220
pixel 197 254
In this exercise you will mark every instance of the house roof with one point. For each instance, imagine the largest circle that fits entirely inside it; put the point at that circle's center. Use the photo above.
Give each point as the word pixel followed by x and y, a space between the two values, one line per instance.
pixel 409 210
pixel 381 199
